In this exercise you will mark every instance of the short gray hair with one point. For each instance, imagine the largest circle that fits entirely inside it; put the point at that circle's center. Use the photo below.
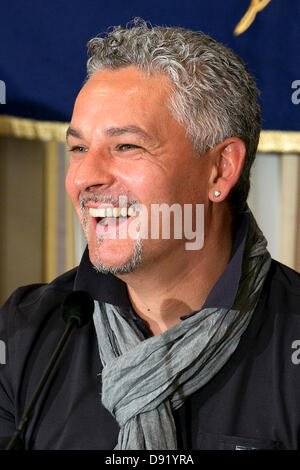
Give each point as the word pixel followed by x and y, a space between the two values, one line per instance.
pixel 214 97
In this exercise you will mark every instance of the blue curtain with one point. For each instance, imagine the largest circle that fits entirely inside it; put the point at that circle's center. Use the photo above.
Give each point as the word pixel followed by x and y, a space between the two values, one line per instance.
pixel 43 49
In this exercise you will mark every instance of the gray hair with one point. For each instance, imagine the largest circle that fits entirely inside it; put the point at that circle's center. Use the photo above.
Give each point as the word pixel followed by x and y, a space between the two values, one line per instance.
pixel 214 95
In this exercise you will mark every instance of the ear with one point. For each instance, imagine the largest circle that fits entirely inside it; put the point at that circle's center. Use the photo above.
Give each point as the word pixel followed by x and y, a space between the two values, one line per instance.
pixel 228 160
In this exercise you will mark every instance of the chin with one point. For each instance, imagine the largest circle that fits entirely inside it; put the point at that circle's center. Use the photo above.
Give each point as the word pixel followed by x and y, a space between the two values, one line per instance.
pixel 115 261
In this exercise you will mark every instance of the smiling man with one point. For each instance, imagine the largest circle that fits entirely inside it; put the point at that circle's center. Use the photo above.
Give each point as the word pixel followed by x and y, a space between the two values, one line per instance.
pixel 193 344
pixel 120 143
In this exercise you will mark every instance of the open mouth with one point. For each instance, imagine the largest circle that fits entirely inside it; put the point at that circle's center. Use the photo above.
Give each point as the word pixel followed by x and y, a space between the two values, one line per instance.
pixel 112 212
pixel 108 217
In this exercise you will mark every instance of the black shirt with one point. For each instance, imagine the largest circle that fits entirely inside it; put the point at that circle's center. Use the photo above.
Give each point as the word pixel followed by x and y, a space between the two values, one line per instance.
pixel 252 402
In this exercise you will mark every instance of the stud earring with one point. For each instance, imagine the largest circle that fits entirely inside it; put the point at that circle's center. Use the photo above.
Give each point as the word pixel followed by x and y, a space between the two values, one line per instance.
pixel 217 193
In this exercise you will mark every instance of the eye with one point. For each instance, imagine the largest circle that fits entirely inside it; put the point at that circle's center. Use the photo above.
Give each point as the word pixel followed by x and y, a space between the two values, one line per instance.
pixel 124 147
pixel 78 149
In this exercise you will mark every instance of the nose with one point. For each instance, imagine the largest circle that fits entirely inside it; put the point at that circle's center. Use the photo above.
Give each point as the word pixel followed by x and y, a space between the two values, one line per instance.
pixel 93 169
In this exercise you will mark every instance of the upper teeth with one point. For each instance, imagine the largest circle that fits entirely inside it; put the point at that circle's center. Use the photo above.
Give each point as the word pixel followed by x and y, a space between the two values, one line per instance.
pixel 112 212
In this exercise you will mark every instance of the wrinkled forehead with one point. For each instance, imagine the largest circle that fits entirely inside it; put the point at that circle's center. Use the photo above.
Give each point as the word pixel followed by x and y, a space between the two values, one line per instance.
pixel 123 97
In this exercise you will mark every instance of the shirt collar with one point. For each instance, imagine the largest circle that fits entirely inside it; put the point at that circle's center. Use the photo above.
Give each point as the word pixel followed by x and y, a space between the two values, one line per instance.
pixel 110 289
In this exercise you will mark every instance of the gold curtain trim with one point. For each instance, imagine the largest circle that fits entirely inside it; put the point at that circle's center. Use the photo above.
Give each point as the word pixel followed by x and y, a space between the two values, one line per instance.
pixel 279 142
pixel 30 129
pixel 270 141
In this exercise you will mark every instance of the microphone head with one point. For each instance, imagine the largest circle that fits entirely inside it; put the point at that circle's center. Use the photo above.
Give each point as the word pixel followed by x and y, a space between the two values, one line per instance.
pixel 78 307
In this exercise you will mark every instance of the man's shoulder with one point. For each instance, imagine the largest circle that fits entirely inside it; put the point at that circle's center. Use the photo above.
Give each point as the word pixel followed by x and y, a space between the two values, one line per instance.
pixel 285 279
pixel 45 295
pixel 283 291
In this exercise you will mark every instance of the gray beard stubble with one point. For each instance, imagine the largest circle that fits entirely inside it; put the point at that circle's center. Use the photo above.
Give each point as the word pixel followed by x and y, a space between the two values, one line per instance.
pixel 126 268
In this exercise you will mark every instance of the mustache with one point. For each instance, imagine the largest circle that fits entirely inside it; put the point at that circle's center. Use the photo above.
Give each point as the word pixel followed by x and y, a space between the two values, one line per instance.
pixel 106 199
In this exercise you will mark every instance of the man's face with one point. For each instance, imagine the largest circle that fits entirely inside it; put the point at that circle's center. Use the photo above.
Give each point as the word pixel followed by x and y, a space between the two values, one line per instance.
pixel 127 144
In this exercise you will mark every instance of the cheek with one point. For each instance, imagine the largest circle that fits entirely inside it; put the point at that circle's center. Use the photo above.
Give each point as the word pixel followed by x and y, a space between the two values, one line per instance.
pixel 146 183
pixel 136 178
pixel 153 177
pixel 193 180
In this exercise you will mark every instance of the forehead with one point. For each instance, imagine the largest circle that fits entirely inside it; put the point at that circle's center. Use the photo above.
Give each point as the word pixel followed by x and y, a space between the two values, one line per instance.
pixel 127 79
pixel 113 97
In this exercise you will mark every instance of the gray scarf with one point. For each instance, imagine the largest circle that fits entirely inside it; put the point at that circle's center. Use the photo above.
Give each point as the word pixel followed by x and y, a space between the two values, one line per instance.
pixel 144 380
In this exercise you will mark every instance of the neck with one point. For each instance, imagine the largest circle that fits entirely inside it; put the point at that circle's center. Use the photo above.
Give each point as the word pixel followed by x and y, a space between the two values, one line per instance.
pixel 180 283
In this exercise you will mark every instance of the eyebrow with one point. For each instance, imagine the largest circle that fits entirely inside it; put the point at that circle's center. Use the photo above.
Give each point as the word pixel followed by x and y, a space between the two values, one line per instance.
pixel 73 132
pixel 114 132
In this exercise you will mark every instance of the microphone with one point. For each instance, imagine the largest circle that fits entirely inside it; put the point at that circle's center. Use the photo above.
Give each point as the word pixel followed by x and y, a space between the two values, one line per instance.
pixel 77 311
pixel 78 307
